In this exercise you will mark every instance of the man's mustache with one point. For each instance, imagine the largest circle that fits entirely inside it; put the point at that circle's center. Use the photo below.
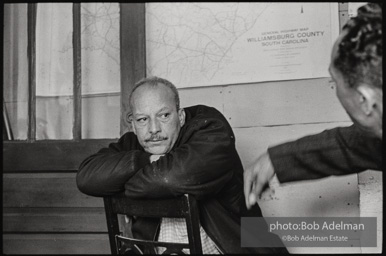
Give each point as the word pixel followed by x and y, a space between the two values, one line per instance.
pixel 155 138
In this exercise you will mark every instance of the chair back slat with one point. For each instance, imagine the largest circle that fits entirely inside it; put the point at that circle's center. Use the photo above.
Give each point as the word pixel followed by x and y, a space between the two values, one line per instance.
pixel 112 224
pixel 193 230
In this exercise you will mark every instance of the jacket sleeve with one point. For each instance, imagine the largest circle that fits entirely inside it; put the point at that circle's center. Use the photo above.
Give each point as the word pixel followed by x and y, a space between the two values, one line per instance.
pixel 106 172
pixel 339 151
pixel 200 164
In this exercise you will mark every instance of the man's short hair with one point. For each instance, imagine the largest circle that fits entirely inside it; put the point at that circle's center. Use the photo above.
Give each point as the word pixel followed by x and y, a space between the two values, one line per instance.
pixel 360 50
pixel 156 81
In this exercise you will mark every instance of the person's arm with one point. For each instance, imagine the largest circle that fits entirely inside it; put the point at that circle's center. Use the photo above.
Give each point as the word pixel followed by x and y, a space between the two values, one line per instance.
pixel 202 162
pixel 106 172
pixel 338 151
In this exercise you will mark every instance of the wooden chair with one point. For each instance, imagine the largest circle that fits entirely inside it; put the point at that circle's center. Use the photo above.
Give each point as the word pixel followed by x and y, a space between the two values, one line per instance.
pixel 181 207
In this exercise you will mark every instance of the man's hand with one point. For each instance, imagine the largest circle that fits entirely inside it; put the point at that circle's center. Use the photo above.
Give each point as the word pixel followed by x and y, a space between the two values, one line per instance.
pixel 155 157
pixel 256 179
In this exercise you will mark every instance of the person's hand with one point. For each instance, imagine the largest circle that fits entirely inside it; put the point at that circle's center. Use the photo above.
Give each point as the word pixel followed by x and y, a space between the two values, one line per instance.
pixel 256 179
pixel 154 158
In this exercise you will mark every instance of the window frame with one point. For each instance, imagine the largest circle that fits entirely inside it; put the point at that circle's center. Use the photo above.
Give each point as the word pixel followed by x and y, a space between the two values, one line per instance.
pixel 33 155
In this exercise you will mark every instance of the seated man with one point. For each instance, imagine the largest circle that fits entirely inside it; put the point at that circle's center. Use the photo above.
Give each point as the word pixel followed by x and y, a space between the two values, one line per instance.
pixel 172 152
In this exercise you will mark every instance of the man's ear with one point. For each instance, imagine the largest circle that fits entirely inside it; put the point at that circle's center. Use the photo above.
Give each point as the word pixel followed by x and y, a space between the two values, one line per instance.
pixel 368 98
pixel 181 116
pixel 129 119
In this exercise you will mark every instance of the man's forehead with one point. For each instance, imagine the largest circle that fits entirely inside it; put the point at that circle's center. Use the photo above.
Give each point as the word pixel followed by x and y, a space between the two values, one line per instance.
pixel 154 98
pixel 147 89
pixel 156 110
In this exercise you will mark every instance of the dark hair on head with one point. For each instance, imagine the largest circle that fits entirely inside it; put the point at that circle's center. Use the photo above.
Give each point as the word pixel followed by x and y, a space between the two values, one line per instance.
pixel 156 81
pixel 360 50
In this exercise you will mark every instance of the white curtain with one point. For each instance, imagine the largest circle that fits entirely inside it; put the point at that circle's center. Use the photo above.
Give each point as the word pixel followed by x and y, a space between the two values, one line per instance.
pixel 15 69
pixel 54 71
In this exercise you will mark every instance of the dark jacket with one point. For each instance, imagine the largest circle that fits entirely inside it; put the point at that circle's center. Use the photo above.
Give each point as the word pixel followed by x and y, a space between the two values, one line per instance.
pixel 338 151
pixel 203 163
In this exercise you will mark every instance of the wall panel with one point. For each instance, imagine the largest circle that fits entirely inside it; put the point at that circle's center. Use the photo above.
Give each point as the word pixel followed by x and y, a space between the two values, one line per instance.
pixel 283 103
pixel 56 244
pixel 45 213
pixel 45 190
pixel 328 197
pixel 211 96
pixel 49 155
pixel 54 219
pixel 371 203
pixel 253 141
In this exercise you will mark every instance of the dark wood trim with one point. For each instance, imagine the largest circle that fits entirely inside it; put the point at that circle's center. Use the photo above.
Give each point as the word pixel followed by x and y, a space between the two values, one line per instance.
pixel 133 54
pixel 47 190
pixel 54 219
pixel 54 244
pixel 32 9
pixel 77 58
pixel 343 15
pixel 49 155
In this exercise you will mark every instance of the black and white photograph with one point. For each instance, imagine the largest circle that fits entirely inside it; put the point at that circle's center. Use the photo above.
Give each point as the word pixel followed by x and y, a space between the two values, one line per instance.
pixel 192 128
